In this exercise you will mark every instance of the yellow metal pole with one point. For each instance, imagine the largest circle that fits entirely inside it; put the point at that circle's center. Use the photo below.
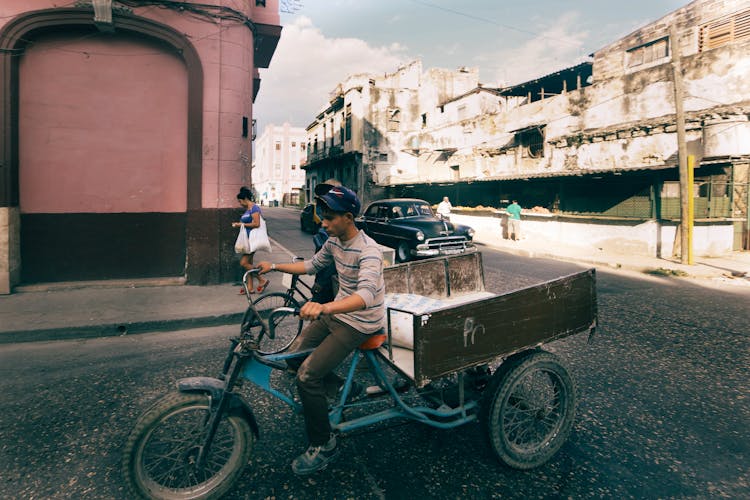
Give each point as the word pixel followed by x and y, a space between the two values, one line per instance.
pixel 691 208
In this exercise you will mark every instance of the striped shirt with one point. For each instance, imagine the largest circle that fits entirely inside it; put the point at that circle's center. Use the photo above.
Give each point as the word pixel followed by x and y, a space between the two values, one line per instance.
pixel 359 264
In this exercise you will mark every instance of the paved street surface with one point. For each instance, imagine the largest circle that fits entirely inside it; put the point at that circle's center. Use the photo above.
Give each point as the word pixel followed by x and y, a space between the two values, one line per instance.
pixel 663 406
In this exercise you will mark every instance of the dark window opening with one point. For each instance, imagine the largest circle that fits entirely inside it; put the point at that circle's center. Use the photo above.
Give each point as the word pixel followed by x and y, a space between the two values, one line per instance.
pixel 531 142
pixel 394 120
pixel 348 123
pixel 455 172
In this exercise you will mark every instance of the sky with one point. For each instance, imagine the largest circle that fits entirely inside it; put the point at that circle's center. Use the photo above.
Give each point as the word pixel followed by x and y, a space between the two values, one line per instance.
pixel 510 42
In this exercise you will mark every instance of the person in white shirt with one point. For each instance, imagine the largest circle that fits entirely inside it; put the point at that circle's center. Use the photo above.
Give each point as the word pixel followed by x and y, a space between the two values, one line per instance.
pixel 444 208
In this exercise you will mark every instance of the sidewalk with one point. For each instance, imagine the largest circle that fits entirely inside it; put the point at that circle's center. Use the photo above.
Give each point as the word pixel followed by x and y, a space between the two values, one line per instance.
pixel 734 267
pixel 62 311
pixel 110 308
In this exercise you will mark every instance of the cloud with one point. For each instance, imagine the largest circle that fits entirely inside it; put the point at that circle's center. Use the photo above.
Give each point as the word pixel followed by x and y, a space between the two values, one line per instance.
pixel 306 68
pixel 550 50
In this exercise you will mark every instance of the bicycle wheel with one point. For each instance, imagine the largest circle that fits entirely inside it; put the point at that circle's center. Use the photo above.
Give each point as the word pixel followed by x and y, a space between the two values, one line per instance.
pixel 528 409
pixel 286 328
pixel 159 460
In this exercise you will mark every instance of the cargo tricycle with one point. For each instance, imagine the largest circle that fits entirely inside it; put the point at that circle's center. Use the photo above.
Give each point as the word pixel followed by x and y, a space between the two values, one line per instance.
pixel 452 354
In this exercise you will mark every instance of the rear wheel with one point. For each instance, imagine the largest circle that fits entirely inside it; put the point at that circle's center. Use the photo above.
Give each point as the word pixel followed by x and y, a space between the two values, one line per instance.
pixel 160 456
pixel 286 327
pixel 528 409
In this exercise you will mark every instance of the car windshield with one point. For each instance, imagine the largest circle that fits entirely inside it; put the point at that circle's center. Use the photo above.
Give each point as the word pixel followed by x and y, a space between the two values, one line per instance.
pixel 410 210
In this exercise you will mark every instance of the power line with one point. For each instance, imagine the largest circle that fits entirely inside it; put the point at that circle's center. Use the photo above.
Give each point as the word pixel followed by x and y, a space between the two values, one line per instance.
pixel 494 23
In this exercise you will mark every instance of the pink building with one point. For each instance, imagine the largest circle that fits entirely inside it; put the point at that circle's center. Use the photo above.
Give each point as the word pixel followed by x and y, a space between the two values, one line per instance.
pixel 125 136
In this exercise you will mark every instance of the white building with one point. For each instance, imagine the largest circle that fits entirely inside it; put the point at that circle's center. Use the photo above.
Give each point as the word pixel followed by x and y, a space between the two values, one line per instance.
pixel 277 176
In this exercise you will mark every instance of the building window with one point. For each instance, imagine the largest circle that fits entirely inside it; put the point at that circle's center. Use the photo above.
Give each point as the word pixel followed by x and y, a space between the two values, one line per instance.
pixel 331 128
pixel 648 53
pixel 383 157
pixel 455 172
pixel 302 146
pixel 294 144
pixel 531 142
pixel 315 145
pixel 734 28
pixel 260 3
pixel 424 120
pixel 394 120
pixel 294 167
pixel 348 123
pixel 278 146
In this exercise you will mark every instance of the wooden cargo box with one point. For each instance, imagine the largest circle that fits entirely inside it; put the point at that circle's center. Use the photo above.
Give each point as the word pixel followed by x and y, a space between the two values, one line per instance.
pixel 441 319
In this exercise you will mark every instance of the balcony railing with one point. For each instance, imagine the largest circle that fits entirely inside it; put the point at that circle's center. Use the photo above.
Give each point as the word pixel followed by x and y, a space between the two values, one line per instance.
pixel 329 152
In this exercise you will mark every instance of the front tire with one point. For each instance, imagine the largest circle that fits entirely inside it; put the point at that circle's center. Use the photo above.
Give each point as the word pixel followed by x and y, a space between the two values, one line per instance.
pixel 403 253
pixel 528 409
pixel 286 327
pixel 159 456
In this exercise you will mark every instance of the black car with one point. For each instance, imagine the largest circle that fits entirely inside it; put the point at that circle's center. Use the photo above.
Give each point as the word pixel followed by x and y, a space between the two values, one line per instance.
pixel 409 226
pixel 309 220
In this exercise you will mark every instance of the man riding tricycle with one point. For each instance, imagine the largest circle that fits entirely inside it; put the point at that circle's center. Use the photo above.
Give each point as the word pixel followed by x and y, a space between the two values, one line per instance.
pixel 438 348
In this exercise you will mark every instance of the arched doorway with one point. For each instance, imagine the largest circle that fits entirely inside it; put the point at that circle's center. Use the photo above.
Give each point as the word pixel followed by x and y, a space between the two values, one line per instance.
pixel 103 144
pixel 102 158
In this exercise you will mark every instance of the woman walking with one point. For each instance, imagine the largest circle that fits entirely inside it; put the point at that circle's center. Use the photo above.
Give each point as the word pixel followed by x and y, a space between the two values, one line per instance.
pixel 250 220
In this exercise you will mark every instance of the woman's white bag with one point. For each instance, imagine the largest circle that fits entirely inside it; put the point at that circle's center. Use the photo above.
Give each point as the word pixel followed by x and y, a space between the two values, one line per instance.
pixel 259 238
pixel 242 244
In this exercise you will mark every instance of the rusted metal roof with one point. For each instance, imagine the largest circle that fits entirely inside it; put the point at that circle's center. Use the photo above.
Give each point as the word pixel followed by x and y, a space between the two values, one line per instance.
pixel 573 173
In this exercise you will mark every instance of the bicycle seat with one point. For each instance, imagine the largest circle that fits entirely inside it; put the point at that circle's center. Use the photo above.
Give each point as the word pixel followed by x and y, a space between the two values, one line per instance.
pixel 373 342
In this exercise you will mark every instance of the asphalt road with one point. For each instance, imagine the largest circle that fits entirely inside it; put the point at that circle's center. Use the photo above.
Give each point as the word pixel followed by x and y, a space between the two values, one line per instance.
pixel 663 406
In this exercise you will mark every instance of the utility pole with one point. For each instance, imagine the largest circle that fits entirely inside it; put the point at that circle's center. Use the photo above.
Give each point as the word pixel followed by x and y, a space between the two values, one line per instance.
pixel 686 188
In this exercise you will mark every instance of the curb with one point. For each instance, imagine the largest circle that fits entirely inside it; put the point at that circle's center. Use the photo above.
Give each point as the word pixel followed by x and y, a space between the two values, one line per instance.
pixel 117 329
pixel 544 255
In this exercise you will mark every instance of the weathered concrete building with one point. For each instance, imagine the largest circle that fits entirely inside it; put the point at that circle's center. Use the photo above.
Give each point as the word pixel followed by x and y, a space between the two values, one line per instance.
pixel 125 136
pixel 596 144
pixel 361 137
pixel 277 175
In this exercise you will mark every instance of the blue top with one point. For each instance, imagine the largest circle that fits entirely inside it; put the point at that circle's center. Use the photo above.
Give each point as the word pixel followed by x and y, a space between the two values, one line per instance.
pixel 514 211
pixel 247 217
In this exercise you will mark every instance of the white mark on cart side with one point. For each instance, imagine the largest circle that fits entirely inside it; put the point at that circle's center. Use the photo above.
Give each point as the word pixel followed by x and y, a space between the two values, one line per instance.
pixel 471 330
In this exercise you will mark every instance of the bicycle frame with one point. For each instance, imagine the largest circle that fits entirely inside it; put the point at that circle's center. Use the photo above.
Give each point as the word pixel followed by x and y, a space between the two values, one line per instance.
pixel 244 362
pixel 296 287
pixel 258 369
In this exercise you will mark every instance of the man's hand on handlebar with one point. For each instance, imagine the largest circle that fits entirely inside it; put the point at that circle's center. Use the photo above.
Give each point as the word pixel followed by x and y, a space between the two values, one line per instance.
pixel 313 310
pixel 263 267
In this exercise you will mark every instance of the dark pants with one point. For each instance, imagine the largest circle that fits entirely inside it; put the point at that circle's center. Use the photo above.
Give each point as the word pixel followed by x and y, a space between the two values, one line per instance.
pixel 333 342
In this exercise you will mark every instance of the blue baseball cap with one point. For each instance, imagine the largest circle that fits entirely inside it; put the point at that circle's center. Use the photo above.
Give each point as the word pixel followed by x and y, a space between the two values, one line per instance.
pixel 338 198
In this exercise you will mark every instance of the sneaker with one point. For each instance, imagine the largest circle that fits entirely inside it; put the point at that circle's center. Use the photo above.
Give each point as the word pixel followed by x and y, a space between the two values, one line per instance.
pixel 316 458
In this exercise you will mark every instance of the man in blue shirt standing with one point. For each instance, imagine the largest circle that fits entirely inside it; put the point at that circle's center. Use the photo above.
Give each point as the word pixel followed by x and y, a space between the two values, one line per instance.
pixel 514 221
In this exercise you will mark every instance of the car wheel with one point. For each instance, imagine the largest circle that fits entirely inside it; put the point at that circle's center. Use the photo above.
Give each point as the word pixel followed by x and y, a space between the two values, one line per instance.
pixel 403 254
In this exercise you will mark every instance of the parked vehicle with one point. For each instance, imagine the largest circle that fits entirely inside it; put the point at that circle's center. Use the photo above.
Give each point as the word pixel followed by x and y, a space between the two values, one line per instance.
pixel 449 352
pixel 309 220
pixel 409 226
